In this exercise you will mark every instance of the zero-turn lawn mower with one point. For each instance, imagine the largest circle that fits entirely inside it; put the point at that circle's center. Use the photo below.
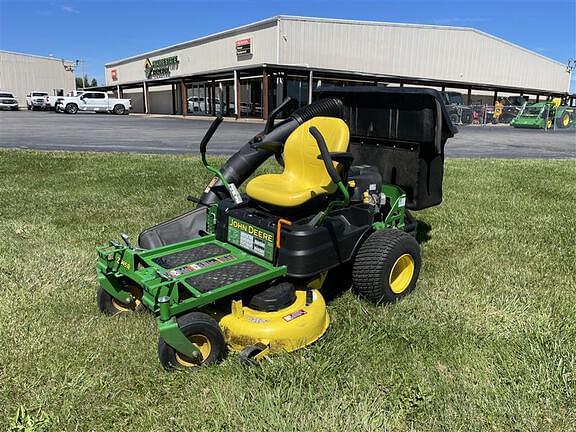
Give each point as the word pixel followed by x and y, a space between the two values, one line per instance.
pixel 244 271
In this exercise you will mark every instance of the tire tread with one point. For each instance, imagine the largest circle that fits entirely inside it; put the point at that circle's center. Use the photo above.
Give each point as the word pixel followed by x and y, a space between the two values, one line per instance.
pixel 367 277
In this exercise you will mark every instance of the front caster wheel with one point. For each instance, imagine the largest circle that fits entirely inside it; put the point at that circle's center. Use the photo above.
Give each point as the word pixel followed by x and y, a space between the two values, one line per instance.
pixel 386 267
pixel 204 332
pixel 110 306
pixel 253 354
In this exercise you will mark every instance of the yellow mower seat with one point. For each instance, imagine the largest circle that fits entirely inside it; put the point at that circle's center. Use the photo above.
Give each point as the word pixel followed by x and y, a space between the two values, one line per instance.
pixel 304 176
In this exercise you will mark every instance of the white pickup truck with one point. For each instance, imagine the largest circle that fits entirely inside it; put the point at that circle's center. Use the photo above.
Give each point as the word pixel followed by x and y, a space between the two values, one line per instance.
pixel 37 100
pixel 93 101
pixel 53 100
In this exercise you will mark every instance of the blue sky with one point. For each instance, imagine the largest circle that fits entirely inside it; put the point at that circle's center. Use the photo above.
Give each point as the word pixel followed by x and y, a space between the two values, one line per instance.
pixel 101 31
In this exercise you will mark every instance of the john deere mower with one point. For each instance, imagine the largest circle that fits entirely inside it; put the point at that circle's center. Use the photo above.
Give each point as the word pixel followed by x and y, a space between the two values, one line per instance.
pixel 244 271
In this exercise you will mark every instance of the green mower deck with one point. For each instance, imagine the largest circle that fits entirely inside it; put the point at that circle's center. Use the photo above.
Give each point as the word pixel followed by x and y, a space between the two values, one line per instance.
pixel 191 274
pixel 179 278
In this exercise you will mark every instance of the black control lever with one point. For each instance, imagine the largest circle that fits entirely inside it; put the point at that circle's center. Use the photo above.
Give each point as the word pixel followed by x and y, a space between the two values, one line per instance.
pixel 124 237
pixel 272 117
pixel 208 136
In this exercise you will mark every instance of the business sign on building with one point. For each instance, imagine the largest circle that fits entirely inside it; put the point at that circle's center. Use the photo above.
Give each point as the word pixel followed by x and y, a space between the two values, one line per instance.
pixel 244 47
pixel 161 68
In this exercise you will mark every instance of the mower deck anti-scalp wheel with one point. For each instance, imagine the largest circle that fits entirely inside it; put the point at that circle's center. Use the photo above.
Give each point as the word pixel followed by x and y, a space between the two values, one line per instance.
pixel 386 266
pixel 249 356
pixel 204 332
pixel 110 306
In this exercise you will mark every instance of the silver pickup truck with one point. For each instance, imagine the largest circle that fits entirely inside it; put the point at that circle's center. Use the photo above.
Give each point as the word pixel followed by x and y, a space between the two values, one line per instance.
pixel 93 101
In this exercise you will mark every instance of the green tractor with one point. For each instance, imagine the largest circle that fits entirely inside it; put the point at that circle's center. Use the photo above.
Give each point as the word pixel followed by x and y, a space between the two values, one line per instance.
pixel 245 271
pixel 545 115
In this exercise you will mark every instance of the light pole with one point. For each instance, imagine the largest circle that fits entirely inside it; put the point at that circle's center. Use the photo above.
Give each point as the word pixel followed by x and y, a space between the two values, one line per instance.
pixel 81 62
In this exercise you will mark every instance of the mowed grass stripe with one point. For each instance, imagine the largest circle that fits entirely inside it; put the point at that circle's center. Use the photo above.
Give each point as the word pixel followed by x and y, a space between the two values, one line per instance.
pixel 486 341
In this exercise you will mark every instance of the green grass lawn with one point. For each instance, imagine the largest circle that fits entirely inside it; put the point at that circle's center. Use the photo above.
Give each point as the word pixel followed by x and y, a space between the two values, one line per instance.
pixel 486 342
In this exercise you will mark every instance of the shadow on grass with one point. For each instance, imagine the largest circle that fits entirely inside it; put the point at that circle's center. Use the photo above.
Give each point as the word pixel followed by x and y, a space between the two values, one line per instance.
pixel 423 232
pixel 338 281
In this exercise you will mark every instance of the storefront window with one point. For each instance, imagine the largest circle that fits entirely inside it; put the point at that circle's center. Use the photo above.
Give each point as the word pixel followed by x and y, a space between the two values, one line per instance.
pixel 224 101
pixel 251 98
pixel 297 89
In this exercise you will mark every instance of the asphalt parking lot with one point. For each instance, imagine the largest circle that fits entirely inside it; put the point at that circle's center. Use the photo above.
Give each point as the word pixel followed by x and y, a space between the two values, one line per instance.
pixel 141 134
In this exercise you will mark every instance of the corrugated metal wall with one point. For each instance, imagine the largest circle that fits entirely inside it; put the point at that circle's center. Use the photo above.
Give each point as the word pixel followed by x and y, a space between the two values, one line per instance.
pixel 20 74
pixel 428 52
pixel 219 53
pixel 441 53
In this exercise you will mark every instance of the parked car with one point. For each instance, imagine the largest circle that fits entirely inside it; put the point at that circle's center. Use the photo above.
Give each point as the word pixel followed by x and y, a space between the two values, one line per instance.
pixel 196 104
pixel 8 101
pixel 93 101
pixel 203 106
pixel 37 100
pixel 245 108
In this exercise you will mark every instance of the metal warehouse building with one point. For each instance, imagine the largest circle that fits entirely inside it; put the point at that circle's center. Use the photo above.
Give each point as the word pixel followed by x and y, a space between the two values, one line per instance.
pixel 245 71
pixel 23 73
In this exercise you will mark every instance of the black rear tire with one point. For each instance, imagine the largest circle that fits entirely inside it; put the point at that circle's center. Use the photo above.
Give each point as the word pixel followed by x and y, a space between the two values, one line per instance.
pixel 563 121
pixel 386 266
pixel 119 109
pixel 71 108
pixel 205 333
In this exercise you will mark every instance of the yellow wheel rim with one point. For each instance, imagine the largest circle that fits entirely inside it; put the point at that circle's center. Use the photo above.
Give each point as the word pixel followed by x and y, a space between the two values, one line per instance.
pixel 565 121
pixel 401 274
pixel 548 124
pixel 136 293
pixel 203 344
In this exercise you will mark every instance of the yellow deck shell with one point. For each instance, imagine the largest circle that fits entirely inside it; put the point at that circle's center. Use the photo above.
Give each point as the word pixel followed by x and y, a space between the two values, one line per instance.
pixel 288 329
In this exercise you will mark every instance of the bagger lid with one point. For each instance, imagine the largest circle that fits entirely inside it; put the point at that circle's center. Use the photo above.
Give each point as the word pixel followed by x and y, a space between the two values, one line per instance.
pixel 394 113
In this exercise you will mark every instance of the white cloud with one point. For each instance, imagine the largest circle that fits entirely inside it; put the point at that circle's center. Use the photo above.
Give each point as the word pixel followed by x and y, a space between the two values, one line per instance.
pixel 69 9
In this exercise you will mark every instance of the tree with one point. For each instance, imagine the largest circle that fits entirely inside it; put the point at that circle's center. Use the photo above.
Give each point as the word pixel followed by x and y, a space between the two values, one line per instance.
pixel 85 82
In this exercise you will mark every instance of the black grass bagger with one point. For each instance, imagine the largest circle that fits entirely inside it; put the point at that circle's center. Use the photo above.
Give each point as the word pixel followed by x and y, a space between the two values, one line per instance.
pixel 243 272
